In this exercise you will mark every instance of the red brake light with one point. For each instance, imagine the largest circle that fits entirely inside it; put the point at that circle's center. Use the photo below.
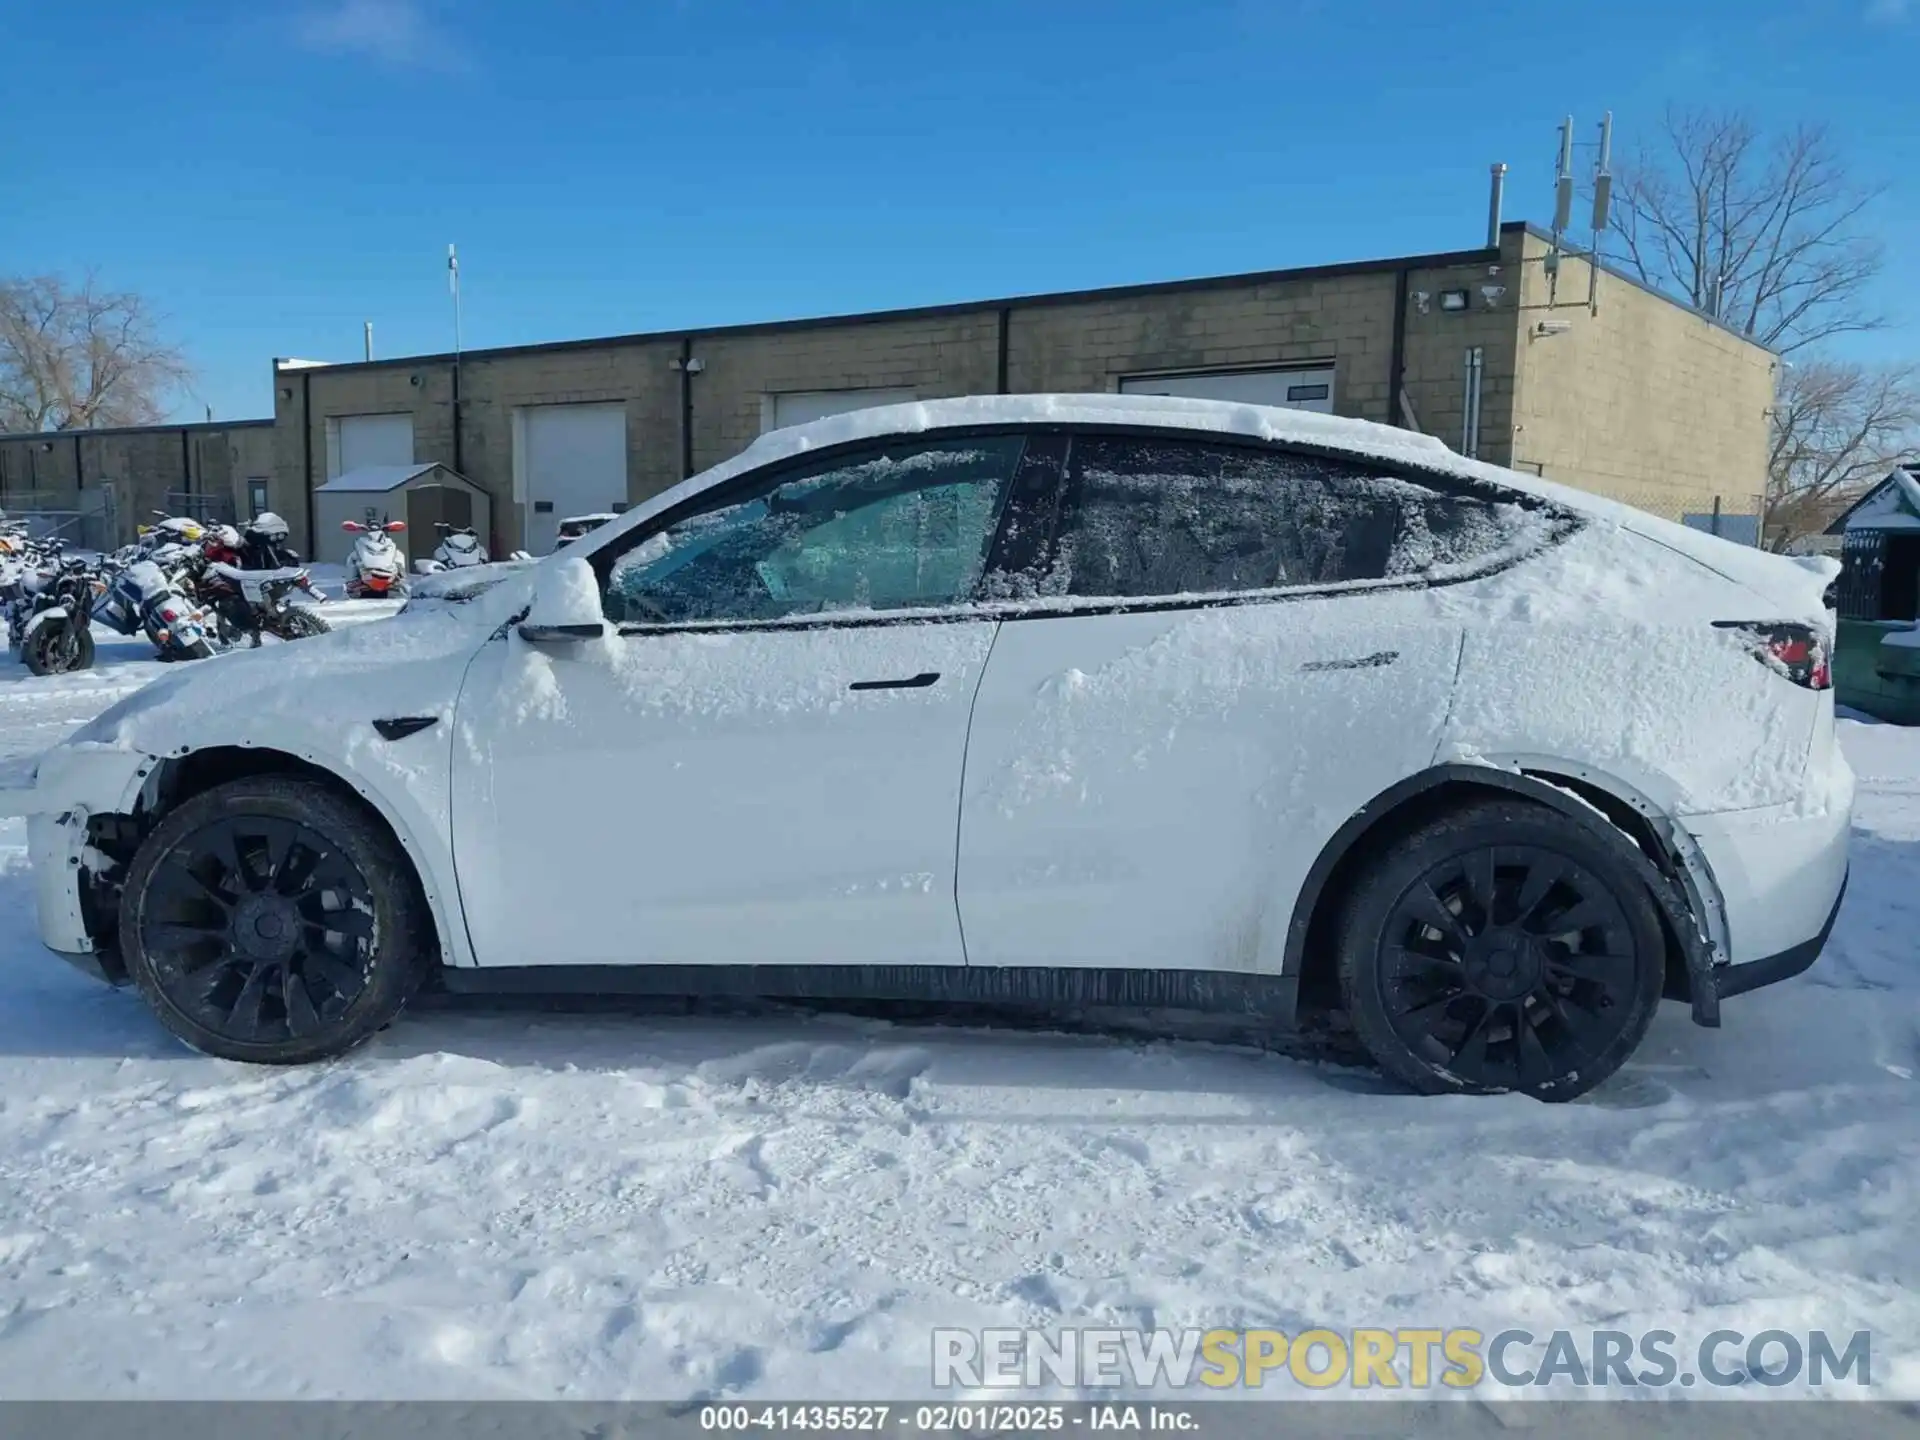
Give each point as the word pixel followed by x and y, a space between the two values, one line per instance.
pixel 1798 652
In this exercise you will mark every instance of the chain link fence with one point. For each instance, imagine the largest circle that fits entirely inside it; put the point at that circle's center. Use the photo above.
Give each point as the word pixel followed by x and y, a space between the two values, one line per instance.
pixel 88 520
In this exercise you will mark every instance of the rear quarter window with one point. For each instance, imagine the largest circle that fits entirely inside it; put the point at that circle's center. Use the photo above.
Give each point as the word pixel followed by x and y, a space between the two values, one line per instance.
pixel 1152 516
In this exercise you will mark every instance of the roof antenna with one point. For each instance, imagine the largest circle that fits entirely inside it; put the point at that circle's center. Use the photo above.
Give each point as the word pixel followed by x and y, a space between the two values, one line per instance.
pixel 1562 205
pixel 1602 206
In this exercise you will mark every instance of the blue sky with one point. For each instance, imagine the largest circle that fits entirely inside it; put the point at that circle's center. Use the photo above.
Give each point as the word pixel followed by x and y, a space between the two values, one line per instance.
pixel 272 175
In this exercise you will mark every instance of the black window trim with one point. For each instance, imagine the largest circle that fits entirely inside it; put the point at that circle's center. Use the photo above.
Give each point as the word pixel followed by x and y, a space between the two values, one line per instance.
pixel 749 483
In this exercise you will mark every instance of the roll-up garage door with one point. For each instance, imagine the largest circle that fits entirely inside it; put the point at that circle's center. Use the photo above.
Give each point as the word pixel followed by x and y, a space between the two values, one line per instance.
pixel 797 407
pixel 1296 389
pixel 573 461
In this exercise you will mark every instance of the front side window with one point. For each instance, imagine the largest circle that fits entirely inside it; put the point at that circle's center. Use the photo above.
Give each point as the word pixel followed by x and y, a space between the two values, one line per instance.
pixel 894 527
pixel 1153 517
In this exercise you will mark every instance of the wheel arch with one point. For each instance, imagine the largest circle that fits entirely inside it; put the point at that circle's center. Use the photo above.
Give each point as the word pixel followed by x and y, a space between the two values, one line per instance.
pixel 181 776
pixel 1682 891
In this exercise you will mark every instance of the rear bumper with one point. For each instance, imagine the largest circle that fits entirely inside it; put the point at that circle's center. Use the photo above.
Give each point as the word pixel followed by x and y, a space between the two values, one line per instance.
pixel 1780 874
pixel 1784 965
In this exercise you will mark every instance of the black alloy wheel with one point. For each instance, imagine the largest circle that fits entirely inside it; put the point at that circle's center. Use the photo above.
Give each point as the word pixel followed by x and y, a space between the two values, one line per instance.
pixel 1503 948
pixel 272 920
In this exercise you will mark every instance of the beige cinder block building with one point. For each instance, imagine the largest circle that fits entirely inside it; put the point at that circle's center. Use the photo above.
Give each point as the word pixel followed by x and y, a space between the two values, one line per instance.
pixel 1492 349
pixel 95 486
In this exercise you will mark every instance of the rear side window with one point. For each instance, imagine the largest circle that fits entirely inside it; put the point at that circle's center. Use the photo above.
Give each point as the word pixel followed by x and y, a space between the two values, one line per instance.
pixel 1148 516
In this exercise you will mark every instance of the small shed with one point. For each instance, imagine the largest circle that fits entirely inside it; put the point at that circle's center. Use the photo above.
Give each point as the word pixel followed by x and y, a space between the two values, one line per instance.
pixel 1880 550
pixel 422 495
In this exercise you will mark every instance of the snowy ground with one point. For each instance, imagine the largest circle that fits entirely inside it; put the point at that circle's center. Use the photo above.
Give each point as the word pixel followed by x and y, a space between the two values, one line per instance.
pixel 520 1205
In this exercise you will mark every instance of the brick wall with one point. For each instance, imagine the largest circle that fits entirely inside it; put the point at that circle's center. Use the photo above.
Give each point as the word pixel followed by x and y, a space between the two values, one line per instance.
pixel 1643 394
pixel 144 466
pixel 639 375
pixel 1644 401
pixel 934 356
pixel 1088 345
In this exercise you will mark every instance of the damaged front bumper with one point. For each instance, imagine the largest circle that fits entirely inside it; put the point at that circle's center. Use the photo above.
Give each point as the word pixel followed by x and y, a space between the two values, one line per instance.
pixel 60 794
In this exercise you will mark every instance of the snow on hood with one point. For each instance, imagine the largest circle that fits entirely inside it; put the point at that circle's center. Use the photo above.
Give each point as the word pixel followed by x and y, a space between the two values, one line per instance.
pixel 1795 585
pixel 349 673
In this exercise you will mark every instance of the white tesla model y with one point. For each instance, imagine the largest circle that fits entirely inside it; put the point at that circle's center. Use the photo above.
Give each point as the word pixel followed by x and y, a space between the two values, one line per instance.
pixel 1066 699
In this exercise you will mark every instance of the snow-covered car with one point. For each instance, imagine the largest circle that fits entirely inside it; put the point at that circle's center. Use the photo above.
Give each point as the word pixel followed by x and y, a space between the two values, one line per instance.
pixel 573 527
pixel 1078 700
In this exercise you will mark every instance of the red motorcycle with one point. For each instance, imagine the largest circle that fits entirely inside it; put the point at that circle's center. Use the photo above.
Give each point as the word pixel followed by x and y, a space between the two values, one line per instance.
pixel 249 601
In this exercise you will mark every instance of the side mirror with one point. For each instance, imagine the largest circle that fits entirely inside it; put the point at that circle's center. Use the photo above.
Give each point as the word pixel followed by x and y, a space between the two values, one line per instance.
pixel 566 605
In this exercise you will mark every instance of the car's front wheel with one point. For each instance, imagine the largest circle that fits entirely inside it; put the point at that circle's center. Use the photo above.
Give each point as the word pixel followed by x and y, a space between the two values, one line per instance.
pixel 272 920
pixel 1502 947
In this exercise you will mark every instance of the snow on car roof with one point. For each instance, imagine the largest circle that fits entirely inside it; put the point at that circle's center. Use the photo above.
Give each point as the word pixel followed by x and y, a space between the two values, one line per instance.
pixel 1363 439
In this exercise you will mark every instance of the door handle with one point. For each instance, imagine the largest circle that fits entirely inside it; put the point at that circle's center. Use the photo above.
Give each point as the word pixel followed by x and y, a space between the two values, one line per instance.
pixel 915 682
pixel 1359 662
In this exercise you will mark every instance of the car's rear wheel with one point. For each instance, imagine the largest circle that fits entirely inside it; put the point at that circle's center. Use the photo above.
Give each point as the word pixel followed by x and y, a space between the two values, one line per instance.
pixel 271 920
pixel 1502 947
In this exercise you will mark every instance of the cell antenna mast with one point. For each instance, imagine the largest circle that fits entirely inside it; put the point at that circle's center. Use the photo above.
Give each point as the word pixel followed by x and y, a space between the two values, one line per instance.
pixel 1563 180
pixel 453 285
pixel 1602 205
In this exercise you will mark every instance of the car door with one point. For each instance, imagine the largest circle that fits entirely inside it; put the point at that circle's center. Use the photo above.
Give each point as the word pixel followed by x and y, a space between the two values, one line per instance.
pixel 761 763
pixel 1232 651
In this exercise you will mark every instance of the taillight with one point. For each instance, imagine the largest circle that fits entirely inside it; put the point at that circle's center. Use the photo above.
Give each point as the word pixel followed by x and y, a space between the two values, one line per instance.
pixel 1798 652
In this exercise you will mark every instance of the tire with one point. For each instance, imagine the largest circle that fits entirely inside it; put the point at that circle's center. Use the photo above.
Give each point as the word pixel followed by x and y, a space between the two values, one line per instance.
pixel 297 622
pixel 297 989
pixel 47 653
pixel 1451 994
pixel 199 650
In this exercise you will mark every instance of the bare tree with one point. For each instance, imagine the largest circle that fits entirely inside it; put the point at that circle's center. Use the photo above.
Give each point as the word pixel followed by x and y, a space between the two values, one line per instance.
pixel 82 357
pixel 1766 235
pixel 1837 430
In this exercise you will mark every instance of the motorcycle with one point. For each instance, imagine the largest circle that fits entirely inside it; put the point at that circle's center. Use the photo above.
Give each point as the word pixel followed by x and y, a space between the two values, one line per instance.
pixel 248 601
pixel 376 568
pixel 167 530
pixel 145 597
pixel 52 626
pixel 459 547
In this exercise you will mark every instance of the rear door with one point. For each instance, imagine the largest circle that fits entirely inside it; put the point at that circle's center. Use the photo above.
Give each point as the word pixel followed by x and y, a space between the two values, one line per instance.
pixel 1229 650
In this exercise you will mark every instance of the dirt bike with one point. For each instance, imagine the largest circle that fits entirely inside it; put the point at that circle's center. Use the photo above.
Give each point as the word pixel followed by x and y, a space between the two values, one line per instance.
pixel 247 602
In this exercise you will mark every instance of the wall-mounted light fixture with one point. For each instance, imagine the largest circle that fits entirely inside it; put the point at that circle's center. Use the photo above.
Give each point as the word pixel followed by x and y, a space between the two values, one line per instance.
pixel 1492 293
pixel 1453 299
pixel 1552 327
